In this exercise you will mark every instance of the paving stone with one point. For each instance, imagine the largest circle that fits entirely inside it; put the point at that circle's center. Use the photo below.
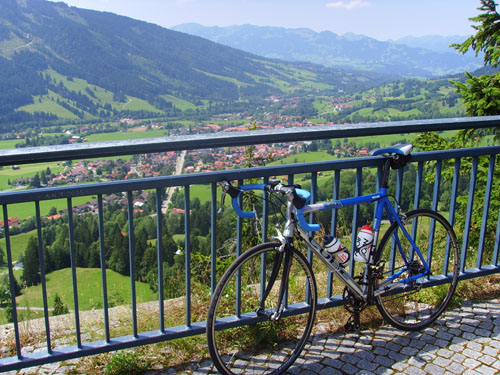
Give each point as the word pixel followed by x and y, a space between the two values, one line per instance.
pixel 431 368
pixel 471 363
pixel 471 353
pixel 456 368
pixel 350 369
pixel 445 353
pixel 487 359
pixel 486 370
pixel 409 350
pixel 443 362
pixel 380 351
pixel 414 371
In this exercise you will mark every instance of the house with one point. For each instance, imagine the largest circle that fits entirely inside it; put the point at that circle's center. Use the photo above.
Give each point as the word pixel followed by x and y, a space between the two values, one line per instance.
pixel 13 222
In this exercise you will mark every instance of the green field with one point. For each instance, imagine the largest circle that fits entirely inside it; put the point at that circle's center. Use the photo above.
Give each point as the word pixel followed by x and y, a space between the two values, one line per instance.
pixel 120 136
pixel 9 144
pixel 27 209
pixel 18 244
pixel 305 157
pixel 89 289
pixel 25 170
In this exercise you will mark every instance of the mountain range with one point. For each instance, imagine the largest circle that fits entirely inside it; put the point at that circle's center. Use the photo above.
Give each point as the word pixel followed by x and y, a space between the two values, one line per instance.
pixel 406 57
pixel 85 64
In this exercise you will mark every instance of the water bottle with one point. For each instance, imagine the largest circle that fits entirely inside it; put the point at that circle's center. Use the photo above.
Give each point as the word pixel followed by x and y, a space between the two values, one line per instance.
pixel 364 243
pixel 333 246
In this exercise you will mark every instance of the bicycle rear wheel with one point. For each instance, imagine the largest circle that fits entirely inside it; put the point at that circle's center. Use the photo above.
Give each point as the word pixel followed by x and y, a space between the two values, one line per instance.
pixel 242 342
pixel 416 304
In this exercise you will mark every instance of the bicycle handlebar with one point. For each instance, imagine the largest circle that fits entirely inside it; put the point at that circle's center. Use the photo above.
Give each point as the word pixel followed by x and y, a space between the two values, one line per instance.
pixel 299 199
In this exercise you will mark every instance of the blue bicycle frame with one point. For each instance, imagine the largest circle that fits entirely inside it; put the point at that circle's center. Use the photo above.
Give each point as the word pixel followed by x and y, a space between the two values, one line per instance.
pixel 382 204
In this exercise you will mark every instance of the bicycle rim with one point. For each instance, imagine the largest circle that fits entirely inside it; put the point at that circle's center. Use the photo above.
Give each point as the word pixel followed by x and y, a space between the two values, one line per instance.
pixel 263 346
pixel 415 305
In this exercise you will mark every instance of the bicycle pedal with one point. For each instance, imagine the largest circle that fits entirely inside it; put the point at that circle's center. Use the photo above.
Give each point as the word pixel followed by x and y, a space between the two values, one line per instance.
pixel 350 326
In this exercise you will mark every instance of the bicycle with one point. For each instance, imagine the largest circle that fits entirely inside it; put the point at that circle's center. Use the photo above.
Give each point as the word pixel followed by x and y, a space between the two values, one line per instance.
pixel 263 309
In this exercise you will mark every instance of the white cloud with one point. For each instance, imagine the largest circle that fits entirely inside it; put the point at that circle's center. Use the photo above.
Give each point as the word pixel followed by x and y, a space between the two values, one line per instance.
pixel 348 4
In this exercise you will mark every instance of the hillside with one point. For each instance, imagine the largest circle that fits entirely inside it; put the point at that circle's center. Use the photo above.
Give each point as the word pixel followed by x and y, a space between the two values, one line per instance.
pixel 349 50
pixel 59 62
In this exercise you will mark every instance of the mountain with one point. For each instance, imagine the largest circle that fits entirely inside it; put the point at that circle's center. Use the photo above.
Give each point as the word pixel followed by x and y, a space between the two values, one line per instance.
pixel 59 62
pixel 329 49
pixel 437 43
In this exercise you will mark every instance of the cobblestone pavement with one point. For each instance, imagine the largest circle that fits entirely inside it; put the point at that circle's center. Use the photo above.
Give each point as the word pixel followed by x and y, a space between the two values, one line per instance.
pixel 463 341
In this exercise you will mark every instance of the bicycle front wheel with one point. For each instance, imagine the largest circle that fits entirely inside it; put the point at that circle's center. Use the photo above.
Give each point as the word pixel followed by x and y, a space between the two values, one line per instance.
pixel 242 341
pixel 417 303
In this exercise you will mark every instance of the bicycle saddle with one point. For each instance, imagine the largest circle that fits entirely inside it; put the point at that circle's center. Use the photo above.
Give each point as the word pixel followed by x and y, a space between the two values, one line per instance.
pixel 399 149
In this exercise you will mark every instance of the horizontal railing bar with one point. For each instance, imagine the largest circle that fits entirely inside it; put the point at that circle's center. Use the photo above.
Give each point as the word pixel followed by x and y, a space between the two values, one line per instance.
pixel 20 196
pixel 152 337
pixel 191 142
pixel 101 346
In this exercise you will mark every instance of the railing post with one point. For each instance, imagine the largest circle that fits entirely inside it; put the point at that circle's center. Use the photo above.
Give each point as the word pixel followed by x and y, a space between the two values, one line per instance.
pixel 213 239
pixel 159 257
pixel 131 254
pixel 468 217
pixel 187 253
pixel 71 234
pixel 11 282
pixel 42 276
pixel 102 252
pixel 486 208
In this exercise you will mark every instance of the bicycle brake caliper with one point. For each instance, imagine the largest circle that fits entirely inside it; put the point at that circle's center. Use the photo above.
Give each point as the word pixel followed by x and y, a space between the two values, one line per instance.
pixel 281 238
pixel 402 216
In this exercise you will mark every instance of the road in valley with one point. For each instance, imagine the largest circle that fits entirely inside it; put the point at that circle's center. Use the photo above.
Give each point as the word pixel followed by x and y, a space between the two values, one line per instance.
pixel 170 191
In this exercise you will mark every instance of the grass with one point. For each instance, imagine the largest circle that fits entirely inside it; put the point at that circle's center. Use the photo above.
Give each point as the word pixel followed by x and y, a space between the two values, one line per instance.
pixel 179 103
pixel 119 136
pixel 18 243
pixel 9 143
pixel 89 289
pixel 305 157
pixel 26 170
pixel 27 209
pixel 48 104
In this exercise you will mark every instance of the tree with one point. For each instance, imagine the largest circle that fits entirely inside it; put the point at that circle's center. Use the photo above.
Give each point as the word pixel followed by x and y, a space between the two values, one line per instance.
pixel 481 95
pixel 31 270
pixel 5 297
pixel 2 256
pixel 60 307
pixel 35 182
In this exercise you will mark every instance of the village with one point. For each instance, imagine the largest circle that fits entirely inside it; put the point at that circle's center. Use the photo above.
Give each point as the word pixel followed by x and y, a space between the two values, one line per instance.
pixel 168 163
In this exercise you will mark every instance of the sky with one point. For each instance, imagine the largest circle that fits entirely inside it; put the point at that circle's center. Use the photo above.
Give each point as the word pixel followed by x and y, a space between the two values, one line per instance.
pixel 379 19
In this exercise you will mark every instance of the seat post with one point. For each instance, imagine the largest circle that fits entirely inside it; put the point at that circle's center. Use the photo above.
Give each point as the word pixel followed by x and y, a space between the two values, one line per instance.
pixel 385 173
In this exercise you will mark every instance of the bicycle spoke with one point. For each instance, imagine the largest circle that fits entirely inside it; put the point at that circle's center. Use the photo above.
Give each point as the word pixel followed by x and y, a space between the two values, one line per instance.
pixel 266 346
pixel 430 292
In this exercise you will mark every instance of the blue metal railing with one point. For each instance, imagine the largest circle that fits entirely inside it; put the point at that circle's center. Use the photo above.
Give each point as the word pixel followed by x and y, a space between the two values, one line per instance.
pixel 420 161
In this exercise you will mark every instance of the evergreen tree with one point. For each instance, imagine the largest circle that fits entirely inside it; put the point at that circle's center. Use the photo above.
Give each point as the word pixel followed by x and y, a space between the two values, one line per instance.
pixel 31 270
pixel 60 307
pixel 481 95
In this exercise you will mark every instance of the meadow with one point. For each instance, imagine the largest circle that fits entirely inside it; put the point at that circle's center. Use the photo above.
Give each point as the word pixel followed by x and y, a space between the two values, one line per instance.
pixel 89 287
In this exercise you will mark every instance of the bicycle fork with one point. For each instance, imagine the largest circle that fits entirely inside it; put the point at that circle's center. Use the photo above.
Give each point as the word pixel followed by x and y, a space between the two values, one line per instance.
pixel 284 258
pixel 283 261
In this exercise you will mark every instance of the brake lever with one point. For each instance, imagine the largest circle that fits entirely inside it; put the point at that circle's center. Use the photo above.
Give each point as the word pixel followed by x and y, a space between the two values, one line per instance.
pixel 224 186
pixel 222 199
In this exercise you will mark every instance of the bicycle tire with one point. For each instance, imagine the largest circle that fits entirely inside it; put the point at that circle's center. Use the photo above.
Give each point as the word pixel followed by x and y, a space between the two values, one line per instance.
pixel 263 346
pixel 418 304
